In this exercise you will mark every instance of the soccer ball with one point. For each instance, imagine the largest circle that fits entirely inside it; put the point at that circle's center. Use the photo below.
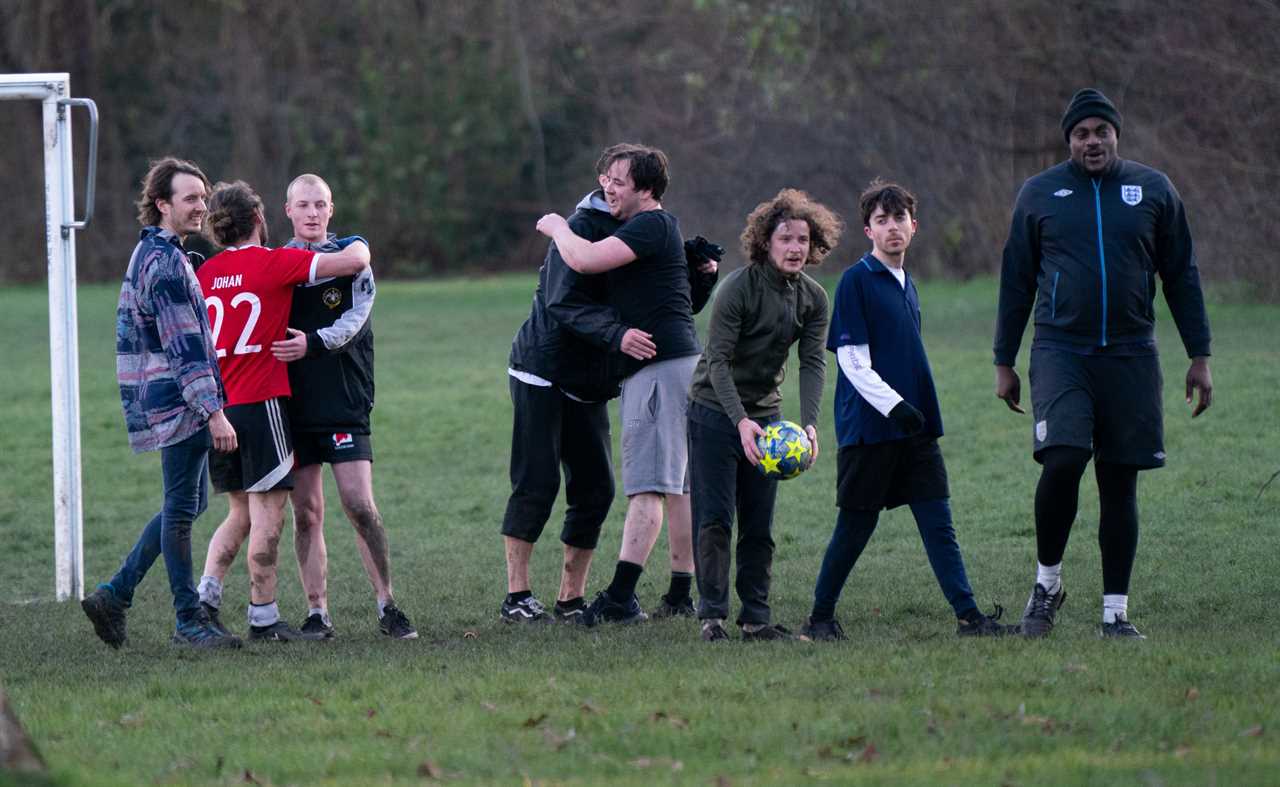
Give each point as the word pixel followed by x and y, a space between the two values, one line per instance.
pixel 785 451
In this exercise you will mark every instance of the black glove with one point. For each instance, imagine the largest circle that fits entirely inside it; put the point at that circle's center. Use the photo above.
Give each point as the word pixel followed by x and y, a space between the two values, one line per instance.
pixel 907 418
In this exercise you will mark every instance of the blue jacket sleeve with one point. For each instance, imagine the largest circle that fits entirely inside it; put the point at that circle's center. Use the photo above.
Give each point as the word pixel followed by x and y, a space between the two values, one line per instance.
pixel 1175 261
pixel 1018 270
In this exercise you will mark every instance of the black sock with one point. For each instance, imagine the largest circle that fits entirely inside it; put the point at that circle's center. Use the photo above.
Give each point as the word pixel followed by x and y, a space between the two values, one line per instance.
pixel 573 603
pixel 513 598
pixel 681 582
pixel 625 578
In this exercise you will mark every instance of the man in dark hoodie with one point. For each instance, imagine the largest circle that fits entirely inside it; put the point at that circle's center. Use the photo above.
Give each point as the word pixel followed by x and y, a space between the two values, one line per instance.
pixel 1087 239
pixel 567 360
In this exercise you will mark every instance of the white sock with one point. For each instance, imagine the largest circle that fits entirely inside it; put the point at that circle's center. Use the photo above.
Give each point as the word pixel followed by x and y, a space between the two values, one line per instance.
pixel 383 603
pixel 1049 577
pixel 322 612
pixel 210 590
pixel 1115 607
pixel 263 614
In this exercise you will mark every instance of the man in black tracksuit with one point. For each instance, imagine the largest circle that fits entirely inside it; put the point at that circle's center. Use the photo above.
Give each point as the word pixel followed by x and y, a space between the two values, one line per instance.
pixel 1087 240
pixel 567 360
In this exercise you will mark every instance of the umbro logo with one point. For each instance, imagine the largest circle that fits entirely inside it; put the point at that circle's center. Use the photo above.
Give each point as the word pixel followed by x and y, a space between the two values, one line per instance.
pixel 1062 193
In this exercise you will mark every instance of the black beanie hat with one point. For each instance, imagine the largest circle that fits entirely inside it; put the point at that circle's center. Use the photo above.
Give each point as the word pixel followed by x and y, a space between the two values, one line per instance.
pixel 1089 103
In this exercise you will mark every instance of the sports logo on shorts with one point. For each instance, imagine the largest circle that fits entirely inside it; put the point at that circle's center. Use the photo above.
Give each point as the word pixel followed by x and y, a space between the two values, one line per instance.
pixel 1042 431
pixel 1131 195
pixel 333 296
pixel 343 440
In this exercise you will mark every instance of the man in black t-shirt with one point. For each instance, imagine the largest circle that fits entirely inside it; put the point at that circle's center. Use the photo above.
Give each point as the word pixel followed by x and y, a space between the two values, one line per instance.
pixel 649 286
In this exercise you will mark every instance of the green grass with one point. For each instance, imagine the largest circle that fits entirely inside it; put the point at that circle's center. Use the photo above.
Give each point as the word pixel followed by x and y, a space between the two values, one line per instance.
pixel 903 702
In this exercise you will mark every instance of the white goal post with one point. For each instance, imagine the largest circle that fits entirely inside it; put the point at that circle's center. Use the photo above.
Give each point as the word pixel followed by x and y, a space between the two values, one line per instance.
pixel 53 91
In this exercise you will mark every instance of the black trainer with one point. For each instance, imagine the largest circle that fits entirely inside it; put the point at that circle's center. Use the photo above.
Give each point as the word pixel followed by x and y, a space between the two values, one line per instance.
pixel 395 624
pixel 605 610
pixel 822 630
pixel 215 619
pixel 280 631
pixel 1037 618
pixel 201 633
pixel 1120 629
pixel 107 615
pixel 315 627
pixel 569 613
pixel 526 610
pixel 679 608
pixel 767 634
pixel 714 631
pixel 979 624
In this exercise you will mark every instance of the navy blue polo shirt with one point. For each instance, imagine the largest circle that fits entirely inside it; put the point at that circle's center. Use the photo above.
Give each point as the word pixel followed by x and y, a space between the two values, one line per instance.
pixel 871 308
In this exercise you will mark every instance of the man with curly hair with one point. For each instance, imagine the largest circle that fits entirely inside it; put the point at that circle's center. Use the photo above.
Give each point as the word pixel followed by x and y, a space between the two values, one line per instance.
pixel 760 311
pixel 887 419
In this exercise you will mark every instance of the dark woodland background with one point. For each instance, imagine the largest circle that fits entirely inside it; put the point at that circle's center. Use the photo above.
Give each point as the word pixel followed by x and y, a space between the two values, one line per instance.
pixel 447 128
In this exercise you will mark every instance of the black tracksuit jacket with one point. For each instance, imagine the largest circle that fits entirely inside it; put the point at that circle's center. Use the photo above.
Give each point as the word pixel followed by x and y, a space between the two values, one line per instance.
pixel 1085 250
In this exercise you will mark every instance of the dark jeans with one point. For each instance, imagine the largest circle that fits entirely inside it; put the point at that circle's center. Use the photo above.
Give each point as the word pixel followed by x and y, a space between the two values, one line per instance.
pixel 722 481
pixel 854 529
pixel 185 467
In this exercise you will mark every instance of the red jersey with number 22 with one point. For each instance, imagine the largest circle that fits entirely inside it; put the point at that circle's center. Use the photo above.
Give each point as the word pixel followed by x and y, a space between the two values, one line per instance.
pixel 248 292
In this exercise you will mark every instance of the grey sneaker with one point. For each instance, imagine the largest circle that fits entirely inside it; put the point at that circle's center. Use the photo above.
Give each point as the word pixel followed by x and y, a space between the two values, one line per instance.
pixel 1120 629
pixel 107 615
pixel 526 610
pixel 1037 618
pixel 395 624
pixel 569 613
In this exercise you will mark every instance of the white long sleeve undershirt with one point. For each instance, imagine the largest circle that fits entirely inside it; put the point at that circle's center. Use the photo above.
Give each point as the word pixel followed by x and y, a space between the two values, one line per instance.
pixel 855 364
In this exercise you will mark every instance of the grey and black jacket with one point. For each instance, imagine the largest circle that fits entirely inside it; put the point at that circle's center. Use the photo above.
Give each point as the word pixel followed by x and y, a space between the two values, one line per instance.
pixel 1086 250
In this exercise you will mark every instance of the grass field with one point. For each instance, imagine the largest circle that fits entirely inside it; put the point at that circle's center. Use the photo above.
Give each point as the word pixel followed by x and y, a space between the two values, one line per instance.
pixel 902 702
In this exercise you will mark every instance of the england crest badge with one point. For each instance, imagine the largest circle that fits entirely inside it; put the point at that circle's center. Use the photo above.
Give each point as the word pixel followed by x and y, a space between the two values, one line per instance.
pixel 1131 195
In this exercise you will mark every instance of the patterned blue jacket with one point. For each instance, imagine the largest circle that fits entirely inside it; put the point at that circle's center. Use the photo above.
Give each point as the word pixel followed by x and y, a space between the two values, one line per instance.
pixel 166 363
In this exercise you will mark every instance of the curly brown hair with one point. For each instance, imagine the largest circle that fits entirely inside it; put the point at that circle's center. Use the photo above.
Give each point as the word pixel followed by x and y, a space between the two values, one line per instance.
pixel 158 185
pixel 825 227
pixel 233 211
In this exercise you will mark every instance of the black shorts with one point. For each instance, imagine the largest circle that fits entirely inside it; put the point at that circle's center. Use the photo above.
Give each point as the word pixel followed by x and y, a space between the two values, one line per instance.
pixel 263 460
pixel 1110 405
pixel 889 474
pixel 314 448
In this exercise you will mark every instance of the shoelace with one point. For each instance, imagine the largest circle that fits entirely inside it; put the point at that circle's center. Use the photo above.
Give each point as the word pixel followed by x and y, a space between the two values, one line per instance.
pixel 534 605
pixel 1041 602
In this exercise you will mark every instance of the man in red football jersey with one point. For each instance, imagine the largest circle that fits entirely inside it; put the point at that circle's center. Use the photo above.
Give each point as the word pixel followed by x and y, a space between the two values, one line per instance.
pixel 248 290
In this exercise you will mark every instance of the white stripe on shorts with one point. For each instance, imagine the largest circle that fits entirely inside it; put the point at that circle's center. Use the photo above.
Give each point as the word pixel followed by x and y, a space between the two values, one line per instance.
pixel 275 420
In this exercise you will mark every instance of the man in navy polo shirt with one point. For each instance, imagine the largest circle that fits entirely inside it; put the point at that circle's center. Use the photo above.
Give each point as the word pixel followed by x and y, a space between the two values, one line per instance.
pixel 887 419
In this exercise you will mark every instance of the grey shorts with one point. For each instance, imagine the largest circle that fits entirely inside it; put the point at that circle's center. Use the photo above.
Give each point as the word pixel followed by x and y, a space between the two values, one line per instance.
pixel 655 443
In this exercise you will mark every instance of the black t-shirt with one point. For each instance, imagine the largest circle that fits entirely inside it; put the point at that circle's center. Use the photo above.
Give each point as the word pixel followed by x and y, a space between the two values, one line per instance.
pixel 652 292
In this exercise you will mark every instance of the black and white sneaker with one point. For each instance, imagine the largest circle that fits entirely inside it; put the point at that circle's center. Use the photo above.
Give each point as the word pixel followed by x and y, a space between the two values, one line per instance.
pixel 605 610
pixel 395 624
pixel 526 610
pixel 979 624
pixel 1121 628
pixel 1037 618
pixel 315 627
pixel 280 631
pixel 570 612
